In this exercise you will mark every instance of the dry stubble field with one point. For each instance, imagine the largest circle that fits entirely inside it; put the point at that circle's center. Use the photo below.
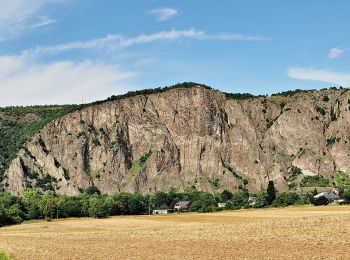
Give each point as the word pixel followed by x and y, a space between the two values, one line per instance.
pixel 288 233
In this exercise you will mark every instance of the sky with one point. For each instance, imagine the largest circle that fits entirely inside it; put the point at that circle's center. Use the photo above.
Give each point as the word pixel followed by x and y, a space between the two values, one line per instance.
pixel 66 51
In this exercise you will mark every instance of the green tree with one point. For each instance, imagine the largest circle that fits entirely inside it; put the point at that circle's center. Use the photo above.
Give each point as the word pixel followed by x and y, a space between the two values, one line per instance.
pixel 226 195
pixel 239 199
pixel 92 190
pixel 49 206
pixel 97 208
pixel 284 199
pixel 261 199
pixel 31 199
pixel 271 193
pixel 245 182
pixel 342 181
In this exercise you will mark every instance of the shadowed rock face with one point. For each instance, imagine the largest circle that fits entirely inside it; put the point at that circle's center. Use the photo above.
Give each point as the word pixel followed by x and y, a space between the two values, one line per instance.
pixel 186 137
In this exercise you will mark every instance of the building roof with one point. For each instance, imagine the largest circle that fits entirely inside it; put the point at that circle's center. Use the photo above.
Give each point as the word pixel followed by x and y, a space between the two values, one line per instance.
pixel 326 194
pixel 182 204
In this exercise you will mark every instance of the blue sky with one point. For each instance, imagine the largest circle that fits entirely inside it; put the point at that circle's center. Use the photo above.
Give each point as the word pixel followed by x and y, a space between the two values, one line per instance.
pixel 56 51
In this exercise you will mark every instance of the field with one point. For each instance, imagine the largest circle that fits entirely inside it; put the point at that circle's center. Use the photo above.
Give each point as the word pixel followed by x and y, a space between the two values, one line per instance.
pixel 294 232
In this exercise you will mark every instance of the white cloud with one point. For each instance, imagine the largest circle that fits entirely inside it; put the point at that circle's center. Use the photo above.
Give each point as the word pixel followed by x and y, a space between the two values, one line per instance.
pixel 337 78
pixel 335 53
pixel 164 14
pixel 115 42
pixel 23 82
pixel 42 21
pixel 234 37
pixel 18 15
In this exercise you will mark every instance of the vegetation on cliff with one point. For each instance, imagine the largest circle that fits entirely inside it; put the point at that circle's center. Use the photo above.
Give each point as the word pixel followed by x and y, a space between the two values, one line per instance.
pixel 19 124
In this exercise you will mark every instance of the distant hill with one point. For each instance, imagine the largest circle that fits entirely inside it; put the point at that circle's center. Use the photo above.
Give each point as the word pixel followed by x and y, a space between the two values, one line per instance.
pixel 180 136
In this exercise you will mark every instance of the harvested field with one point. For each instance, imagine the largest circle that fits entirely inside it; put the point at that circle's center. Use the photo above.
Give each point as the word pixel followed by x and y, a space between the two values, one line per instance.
pixel 287 233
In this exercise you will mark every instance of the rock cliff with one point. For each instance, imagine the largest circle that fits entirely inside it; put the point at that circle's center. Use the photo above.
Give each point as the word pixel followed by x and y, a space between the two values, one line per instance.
pixel 189 136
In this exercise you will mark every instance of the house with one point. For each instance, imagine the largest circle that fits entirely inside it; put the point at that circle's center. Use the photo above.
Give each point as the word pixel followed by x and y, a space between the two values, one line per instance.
pixel 221 205
pixel 327 195
pixel 162 211
pixel 182 205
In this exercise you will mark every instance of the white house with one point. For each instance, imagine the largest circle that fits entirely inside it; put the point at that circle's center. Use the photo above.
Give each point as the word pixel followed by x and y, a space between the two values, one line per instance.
pixel 162 211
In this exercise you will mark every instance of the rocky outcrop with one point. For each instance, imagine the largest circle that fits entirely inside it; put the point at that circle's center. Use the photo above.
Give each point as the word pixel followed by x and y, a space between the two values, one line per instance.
pixel 185 137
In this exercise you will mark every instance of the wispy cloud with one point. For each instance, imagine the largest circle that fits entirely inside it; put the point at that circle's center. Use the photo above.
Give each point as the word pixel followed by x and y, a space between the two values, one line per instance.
pixel 337 78
pixel 42 21
pixel 335 53
pixel 234 37
pixel 23 82
pixel 116 42
pixel 30 78
pixel 164 14
pixel 18 15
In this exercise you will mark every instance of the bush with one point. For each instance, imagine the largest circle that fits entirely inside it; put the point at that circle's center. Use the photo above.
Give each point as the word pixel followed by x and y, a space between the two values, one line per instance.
pixel 97 208
pixel 284 199
pixel 320 201
pixel 226 195
pixel 314 181
pixel 261 199
pixel 320 110
pixel 92 190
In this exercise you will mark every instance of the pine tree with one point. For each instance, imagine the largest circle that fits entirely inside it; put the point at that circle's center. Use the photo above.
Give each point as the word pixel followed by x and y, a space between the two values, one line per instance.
pixel 271 193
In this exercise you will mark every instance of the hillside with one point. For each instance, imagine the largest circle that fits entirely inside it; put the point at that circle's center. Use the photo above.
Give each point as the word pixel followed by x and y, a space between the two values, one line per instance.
pixel 19 124
pixel 186 136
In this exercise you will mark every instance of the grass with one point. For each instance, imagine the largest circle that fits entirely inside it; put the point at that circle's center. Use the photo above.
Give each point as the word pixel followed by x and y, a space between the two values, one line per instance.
pixel 305 232
pixel 135 168
pixel 3 256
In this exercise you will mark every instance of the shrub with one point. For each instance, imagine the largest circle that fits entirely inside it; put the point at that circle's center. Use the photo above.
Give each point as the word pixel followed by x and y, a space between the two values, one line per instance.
pixel 320 110
pixel 285 199
pixel 239 199
pixel 320 201
pixel 92 190
pixel 295 171
pixel 314 181
pixel 261 199
pixel 342 181
pixel 145 157
pixel 226 195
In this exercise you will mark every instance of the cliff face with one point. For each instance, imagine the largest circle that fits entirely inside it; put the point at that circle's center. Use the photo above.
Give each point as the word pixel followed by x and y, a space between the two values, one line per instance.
pixel 186 137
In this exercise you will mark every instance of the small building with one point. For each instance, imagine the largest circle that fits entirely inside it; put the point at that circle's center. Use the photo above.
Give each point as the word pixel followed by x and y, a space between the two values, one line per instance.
pixel 182 205
pixel 162 211
pixel 221 204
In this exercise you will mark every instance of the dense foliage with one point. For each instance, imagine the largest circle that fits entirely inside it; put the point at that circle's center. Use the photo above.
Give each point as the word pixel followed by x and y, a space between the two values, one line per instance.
pixel 36 205
pixel 19 124
pixel 314 181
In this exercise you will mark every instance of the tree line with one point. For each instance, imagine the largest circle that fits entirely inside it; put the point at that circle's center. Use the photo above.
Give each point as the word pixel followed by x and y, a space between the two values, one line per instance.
pixel 90 203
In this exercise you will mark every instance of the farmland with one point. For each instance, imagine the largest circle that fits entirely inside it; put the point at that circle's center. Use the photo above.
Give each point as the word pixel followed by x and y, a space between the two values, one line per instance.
pixel 292 232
